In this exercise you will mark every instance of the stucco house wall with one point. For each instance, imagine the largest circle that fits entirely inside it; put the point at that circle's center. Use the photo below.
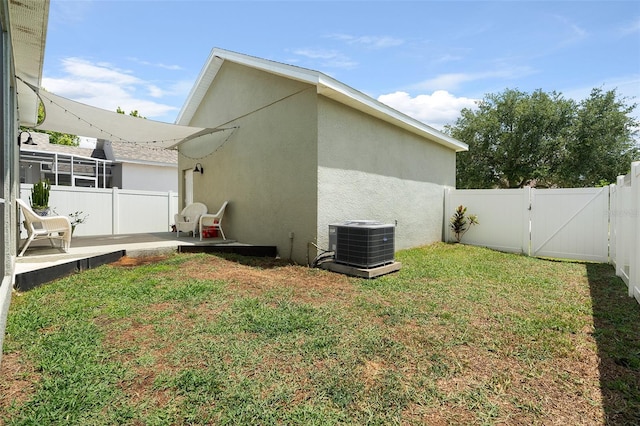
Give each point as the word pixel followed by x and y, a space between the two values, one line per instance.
pixel 267 166
pixel 307 151
pixel 370 169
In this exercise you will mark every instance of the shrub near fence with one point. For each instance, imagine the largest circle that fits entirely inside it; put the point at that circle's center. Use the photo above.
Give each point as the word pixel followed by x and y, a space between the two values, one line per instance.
pixel 112 211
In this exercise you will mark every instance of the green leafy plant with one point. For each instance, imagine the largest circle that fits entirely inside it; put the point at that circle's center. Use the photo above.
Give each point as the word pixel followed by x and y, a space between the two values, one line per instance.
pixel 40 195
pixel 460 223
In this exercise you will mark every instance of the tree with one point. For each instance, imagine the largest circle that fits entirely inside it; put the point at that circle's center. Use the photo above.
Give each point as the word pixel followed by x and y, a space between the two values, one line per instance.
pixel 604 143
pixel 517 139
pixel 133 113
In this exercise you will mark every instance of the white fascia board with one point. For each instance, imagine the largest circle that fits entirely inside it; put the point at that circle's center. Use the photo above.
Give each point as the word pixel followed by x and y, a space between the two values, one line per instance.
pixel 273 67
pixel 199 89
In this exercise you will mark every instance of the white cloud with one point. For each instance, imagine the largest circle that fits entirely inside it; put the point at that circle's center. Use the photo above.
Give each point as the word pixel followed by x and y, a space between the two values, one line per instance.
pixel 328 58
pixel 374 42
pixel 155 91
pixel 446 81
pixel 105 86
pixel 157 64
pixel 572 32
pixel 436 109
pixel 448 58
pixel 631 28
pixel 453 81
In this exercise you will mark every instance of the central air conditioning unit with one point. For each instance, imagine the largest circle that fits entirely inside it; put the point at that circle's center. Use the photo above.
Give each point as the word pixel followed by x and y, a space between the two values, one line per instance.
pixel 362 243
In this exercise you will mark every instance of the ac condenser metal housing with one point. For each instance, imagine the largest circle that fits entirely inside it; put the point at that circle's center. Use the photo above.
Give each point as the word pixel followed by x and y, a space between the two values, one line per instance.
pixel 362 243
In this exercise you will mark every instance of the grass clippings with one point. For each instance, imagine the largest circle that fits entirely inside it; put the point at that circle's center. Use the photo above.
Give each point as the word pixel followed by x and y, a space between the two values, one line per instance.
pixel 460 335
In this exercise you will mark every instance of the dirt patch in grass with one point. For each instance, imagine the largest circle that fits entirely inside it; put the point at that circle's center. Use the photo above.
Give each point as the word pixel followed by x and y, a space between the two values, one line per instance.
pixel 127 261
pixel 301 284
pixel 146 351
pixel 17 380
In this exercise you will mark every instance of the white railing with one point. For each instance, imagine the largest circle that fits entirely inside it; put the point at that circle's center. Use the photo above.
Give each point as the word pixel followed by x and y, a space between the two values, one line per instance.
pixel 112 211
pixel 625 229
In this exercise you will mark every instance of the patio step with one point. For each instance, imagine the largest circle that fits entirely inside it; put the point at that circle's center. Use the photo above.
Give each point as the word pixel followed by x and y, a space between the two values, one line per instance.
pixel 27 280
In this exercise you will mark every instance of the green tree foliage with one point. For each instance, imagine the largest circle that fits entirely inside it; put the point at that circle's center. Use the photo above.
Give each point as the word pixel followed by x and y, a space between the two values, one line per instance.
pixel 516 139
pixel 133 113
pixel 604 137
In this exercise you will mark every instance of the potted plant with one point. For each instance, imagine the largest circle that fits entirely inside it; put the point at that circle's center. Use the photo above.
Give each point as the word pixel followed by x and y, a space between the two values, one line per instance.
pixel 40 197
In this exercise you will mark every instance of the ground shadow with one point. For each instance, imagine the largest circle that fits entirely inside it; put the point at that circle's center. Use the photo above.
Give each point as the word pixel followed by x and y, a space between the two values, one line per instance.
pixel 616 318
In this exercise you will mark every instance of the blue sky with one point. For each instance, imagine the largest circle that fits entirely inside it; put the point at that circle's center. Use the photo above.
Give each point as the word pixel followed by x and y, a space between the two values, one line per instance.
pixel 426 59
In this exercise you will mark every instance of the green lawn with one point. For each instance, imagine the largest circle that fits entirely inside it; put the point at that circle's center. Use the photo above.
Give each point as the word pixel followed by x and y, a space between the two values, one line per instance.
pixel 461 335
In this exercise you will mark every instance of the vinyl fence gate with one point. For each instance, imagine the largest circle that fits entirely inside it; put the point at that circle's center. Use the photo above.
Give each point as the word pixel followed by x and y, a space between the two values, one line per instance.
pixel 561 223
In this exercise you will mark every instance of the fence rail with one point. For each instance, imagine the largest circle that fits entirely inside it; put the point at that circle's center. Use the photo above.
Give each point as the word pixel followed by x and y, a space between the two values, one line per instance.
pixel 112 211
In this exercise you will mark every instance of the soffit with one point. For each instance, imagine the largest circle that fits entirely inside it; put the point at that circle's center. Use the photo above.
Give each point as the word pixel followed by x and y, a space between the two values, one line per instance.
pixel 28 26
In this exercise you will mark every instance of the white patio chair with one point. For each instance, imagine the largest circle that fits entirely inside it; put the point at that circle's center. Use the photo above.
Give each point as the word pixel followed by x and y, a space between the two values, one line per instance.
pixel 189 218
pixel 40 227
pixel 213 220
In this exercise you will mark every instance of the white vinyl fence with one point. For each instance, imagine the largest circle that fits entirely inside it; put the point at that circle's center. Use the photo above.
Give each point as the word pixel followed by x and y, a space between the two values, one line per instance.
pixel 112 211
pixel 562 223
pixel 590 224
pixel 625 229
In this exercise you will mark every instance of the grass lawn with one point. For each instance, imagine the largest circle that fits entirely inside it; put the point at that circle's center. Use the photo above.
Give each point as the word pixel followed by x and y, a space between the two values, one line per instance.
pixel 461 335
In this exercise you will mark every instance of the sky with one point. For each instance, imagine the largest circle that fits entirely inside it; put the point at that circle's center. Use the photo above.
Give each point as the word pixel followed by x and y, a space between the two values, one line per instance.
pixel 426 59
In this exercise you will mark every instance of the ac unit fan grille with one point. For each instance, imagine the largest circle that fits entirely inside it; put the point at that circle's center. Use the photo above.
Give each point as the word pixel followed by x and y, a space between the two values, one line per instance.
pixel 364 246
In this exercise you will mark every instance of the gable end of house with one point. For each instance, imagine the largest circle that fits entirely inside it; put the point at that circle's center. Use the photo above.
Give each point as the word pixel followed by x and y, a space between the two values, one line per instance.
pixel 325 86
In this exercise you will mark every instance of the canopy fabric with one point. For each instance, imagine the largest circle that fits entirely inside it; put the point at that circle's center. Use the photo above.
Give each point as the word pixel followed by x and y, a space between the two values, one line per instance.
pixel 67 116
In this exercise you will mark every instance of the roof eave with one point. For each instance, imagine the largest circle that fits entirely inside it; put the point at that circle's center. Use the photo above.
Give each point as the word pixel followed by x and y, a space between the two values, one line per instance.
pixel 28 22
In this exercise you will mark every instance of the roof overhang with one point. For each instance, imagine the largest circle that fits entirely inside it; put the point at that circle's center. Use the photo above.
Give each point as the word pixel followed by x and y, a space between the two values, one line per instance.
pixel 325 86
pixel 28 26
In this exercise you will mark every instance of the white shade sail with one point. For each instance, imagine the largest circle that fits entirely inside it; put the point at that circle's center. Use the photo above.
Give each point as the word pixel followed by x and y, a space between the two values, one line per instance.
pixel 67 116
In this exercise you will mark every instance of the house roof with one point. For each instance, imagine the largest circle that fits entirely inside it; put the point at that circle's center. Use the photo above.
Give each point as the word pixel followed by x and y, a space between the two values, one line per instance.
pixel 118 152
pixel 326 86
pixel 129 153
pixel 43 145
